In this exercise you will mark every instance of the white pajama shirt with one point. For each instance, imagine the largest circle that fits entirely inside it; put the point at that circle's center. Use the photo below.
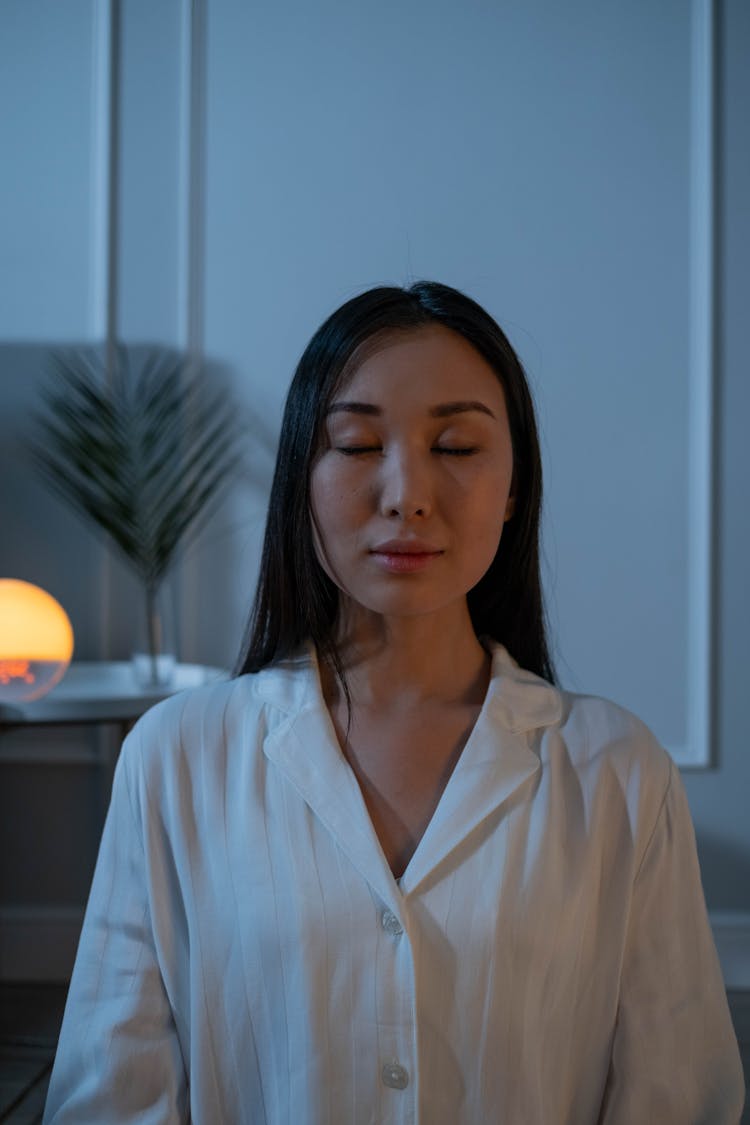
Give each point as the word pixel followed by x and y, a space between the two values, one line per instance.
pixel 248 957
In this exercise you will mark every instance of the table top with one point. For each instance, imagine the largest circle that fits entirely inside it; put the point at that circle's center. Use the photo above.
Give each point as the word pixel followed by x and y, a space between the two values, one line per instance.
pixel 104 691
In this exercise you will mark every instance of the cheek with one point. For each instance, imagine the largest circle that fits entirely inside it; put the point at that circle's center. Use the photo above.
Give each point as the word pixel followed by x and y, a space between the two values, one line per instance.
pixel 336 493
pixel 335 505
pixel 486 498
pixel 483 518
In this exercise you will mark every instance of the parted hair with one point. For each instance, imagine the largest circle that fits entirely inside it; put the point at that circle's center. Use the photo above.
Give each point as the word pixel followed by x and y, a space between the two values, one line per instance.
pixel 295 601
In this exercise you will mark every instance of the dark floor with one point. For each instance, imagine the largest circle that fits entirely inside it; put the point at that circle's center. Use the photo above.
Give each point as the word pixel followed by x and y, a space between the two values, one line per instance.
pixel 30 1016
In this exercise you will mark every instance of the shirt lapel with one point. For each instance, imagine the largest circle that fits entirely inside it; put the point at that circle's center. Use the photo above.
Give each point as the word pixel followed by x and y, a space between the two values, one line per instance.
pixel 500 756
pixel 306 750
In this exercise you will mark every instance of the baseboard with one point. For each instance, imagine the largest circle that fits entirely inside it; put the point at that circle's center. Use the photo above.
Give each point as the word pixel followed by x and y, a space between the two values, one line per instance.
pixel 39 944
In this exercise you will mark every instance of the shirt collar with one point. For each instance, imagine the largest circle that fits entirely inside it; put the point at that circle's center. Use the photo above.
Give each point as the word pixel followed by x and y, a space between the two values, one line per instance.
pixel 519 699
pixel 498 758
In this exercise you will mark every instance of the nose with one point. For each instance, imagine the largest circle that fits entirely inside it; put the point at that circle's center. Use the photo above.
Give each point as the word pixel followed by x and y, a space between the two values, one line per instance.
pixel 405 486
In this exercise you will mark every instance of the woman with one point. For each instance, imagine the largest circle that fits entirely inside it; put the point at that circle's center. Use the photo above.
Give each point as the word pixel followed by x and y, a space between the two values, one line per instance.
pixel 390 872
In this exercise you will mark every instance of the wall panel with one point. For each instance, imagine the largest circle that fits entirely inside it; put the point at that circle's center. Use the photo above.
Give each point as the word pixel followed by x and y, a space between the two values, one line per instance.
pixel 540 158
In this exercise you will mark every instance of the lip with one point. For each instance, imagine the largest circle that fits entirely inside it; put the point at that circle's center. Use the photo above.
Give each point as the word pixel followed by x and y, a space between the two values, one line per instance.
pixel 405 556
pixel 405 547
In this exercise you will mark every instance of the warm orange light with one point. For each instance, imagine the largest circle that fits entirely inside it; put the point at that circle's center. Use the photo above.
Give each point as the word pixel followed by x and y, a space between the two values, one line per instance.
pixel 36 641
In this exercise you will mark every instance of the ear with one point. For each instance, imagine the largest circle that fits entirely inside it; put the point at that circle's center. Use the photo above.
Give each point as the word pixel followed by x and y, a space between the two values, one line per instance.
pixel 510 509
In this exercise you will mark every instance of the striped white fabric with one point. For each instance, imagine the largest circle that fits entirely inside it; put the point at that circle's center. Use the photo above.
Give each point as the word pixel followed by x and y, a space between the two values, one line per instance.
pixel 247 955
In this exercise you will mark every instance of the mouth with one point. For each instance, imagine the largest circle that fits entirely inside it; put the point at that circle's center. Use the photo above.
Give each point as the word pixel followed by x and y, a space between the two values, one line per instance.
pixel 404 556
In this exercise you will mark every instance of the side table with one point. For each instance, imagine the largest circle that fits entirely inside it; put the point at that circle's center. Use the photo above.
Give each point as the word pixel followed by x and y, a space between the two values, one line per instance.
pixel 100 691
pixel 38 938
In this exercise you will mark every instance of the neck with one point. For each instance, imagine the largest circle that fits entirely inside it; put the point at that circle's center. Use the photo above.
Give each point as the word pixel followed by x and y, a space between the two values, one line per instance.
pixel 405 661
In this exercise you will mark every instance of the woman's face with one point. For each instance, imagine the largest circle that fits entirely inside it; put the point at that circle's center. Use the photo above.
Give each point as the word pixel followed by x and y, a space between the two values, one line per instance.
pixel 411 487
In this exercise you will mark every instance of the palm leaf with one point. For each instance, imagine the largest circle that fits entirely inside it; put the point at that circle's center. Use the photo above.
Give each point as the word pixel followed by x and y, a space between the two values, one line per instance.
pixel 144 456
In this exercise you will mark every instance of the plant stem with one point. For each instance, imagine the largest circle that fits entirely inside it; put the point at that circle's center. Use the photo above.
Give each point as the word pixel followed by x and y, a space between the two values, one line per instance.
pixel 154 630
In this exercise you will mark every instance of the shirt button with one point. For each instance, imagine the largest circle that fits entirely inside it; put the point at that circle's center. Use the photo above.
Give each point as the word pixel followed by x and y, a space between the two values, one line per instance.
pixel 395 1076
pixel 391 924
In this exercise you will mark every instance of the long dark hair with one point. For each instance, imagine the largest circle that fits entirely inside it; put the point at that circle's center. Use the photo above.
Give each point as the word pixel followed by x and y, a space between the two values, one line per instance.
pixel 295 600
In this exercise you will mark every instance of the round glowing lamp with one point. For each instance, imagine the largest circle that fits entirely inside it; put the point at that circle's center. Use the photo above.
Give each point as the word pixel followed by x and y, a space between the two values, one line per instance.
pixel 36 641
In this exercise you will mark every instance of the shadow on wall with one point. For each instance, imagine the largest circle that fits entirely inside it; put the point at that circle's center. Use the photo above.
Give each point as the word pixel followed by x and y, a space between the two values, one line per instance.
pixel 726 870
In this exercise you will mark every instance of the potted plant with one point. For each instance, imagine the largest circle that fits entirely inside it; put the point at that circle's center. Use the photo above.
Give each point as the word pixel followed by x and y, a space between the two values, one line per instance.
pixel 142 453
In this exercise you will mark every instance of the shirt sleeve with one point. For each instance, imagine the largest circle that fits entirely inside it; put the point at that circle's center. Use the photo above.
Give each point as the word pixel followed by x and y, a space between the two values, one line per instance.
pixel 674 1058
pixel 118 1056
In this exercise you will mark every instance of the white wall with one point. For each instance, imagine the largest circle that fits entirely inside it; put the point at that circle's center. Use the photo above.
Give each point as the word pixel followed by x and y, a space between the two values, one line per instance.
pixel 275 159
pixel 508 150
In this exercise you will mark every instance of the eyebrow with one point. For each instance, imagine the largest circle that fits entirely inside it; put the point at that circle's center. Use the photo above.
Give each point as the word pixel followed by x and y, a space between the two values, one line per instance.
pixel 442 410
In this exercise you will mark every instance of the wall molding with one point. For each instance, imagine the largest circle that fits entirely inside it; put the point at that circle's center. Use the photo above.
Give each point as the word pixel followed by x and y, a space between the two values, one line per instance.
pixel 190 281
pixel 45 753
pixel 104 227
pixel 101 169
pixel 192 178
pixel 697 751
pixel 38 943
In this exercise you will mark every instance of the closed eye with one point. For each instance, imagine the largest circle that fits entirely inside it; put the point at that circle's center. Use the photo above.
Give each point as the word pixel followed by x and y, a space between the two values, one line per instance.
pixel 452 451
pixel 353 450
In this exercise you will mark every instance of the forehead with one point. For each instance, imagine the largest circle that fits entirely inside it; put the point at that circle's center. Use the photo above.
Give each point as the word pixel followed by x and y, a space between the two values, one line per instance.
pixel 431 362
